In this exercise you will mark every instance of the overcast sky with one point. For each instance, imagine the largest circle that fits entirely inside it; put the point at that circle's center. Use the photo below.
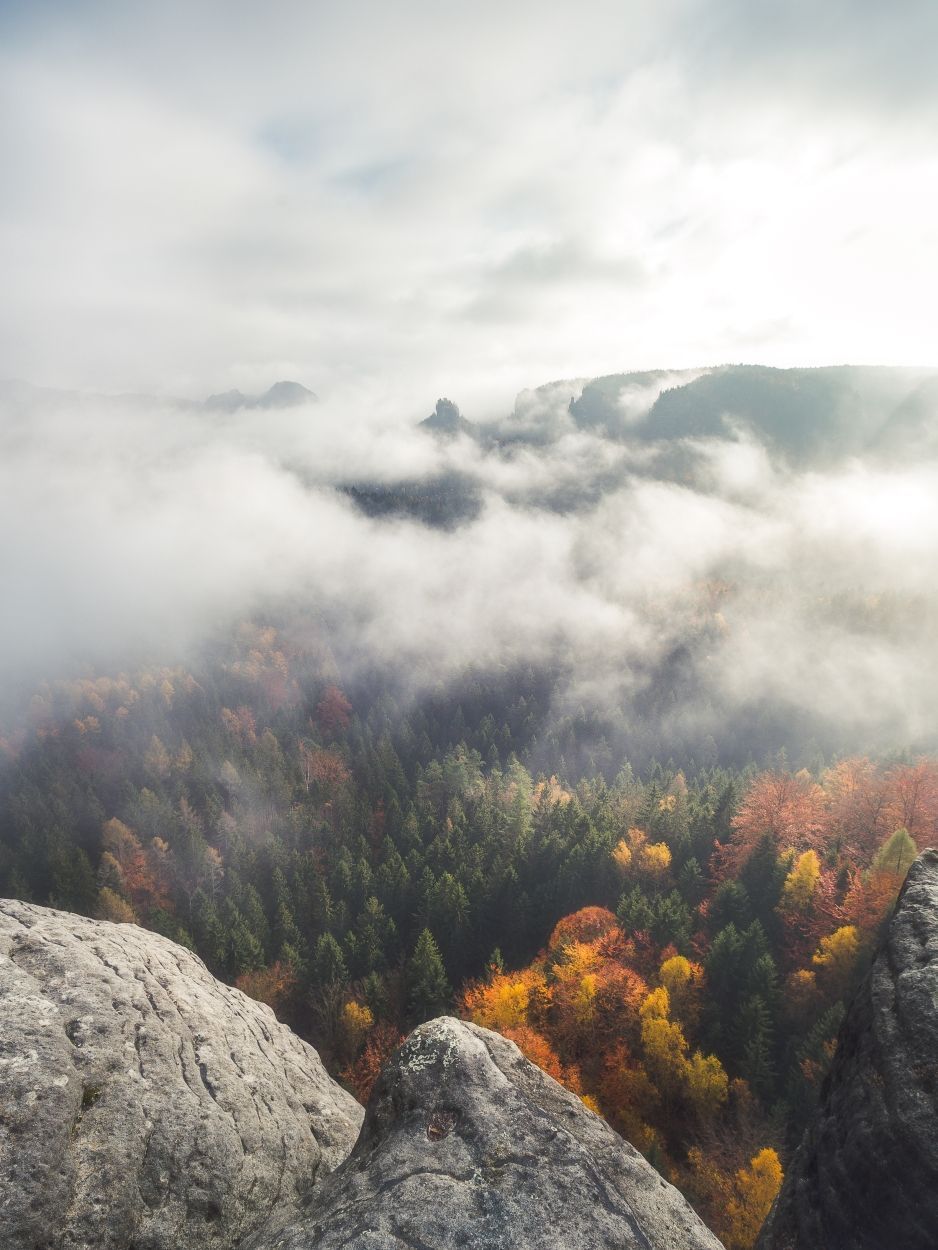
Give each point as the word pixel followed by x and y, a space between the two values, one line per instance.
pixel 437 198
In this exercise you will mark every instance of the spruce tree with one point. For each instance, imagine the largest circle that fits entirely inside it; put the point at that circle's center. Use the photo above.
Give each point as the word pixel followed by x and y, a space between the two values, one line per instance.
pixel 329 967
pixel 428 990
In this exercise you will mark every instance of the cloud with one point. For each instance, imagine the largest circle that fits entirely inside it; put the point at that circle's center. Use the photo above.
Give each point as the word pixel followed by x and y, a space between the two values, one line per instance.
pixel 133 529
pixel 393 203
pixel 437 199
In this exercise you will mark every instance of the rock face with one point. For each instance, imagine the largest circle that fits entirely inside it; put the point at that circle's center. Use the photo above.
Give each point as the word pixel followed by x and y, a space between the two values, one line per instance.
pixel 467 1144
pixel 866 1174
pixel 446 421
pixel 143 1104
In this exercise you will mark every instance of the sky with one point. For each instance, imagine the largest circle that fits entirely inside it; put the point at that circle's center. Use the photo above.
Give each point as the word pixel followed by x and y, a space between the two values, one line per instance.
pixel 414 199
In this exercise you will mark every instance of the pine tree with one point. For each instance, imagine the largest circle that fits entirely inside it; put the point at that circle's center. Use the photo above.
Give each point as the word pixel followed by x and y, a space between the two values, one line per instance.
pixel 753 1029
pixel 329 963
pixel 428 990
pixel 286 933
pixel 208 931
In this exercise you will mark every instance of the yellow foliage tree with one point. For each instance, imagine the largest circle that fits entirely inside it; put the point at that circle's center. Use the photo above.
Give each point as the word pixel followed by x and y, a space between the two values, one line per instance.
pixel 156 758
pixel 675 973
pixel 800 994
pixel 657 1005
pixel 506 1001
pixel 735 1205
pixel 836 957
pixel 683 979
pixel 112 907
pixel 508 1004
pixel 700 1079
pixel 655 858
pixel 356 1023
pixel 585 1001
pixel 622 855
pixel 577 959
pixel 755 1188
pixel 664 1043
pixel 707 1084
pixel 802 882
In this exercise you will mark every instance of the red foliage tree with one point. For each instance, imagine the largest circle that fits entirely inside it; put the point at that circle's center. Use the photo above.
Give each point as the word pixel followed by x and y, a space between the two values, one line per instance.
pixel 913 800
pixel 858 795
pixel 791 809
pixel 333 712
pixel 361 1075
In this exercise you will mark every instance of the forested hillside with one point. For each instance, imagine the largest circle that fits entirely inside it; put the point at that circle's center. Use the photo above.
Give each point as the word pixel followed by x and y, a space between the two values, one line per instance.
pixel 674 944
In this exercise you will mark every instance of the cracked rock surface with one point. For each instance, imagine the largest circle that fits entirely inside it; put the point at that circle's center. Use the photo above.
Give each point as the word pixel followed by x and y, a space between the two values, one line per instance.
pixel 143 1104
pixel 467 1144
pixel 866 1174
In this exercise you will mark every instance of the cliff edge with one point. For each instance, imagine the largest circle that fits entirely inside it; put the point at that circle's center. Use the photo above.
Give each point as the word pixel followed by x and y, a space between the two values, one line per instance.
pixel 866 1174
pixel 143 1104
pixel 467 1144
pixel 146 1106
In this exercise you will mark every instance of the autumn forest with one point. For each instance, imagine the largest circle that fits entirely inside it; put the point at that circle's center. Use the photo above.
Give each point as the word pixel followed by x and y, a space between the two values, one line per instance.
pixel 675 943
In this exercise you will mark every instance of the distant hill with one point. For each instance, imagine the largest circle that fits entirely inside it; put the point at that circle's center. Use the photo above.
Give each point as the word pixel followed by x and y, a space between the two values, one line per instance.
pixel 912 430
pixel 280 395
pixel 812 416
pixel 805 418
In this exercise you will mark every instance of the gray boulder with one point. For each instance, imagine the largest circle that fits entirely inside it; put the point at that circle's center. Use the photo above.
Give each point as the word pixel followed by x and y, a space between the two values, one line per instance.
pixel 866 1174
pixel 467 1144
pixel 143 1104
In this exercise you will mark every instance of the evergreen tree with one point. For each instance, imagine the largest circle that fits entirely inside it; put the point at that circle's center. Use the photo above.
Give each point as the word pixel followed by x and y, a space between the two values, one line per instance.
pixel 428 990
pixel 329 968
pixel 754 1046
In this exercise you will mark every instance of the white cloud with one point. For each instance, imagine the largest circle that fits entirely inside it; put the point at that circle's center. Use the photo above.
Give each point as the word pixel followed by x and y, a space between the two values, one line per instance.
pixel 130 528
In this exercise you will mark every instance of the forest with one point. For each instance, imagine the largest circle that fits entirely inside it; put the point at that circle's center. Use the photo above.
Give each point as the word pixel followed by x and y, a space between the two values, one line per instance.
pixel 673 941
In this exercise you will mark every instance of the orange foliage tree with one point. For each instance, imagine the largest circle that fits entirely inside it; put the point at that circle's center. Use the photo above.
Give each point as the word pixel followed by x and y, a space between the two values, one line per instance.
pixel 791 809
pixel 273 986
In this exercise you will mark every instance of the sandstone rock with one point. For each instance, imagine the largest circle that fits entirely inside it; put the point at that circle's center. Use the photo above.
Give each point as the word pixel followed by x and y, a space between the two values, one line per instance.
pixel 866 1174
pixel 143 1104
pixel 467 1144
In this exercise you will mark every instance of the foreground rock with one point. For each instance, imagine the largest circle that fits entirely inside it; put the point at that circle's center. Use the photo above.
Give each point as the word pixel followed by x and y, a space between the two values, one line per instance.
pixel 144 1104
pixel 467 1144
pixel 866 1174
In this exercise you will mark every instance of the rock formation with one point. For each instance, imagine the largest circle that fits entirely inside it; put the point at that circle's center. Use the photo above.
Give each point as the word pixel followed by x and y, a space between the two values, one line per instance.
pixel 866 1174
pixel 146 1106
pixel 446 421
pixel 467 1144
pixel 143 1104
